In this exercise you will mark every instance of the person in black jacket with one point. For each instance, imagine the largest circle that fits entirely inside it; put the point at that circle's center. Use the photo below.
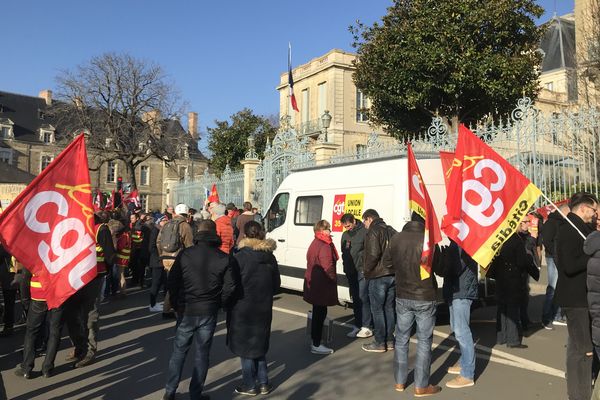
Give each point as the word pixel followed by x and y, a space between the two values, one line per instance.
pixel 249 319
pixel 9 291
pixel 379 272
pixel 159 275
pixel 201 280
pixel 353 246
pixel 508 268
pixel 571 289
pixel 551 313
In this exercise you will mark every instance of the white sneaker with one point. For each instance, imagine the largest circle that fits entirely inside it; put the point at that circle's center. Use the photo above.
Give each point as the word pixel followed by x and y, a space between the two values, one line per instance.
pixel 353 332
pixel 364 333
pixel 320 349
pixel 157 308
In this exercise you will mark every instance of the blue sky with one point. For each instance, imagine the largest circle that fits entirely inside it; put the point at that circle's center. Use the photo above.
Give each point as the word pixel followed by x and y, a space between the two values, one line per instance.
pixel 222 55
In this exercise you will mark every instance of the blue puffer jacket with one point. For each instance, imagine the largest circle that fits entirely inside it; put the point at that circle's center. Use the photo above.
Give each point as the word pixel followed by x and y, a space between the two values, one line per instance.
pixel 591 247
pixel 460 278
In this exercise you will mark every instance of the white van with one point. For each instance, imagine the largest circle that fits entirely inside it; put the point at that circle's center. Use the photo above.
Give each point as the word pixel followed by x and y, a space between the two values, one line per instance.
pixel 309 195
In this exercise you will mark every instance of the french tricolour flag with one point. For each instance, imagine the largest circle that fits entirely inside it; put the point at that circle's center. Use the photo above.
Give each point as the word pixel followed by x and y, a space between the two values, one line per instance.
pixel 291 79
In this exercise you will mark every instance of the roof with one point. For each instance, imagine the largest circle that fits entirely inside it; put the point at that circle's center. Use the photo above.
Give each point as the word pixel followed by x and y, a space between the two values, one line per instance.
pixel 28 114
pixel 558 44
pixel 11 174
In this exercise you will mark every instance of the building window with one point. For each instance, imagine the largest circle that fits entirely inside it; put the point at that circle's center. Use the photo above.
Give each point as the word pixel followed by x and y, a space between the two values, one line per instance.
pixel 183 173
pixel 45 161
pixel 47 137
pixel 361 150
pixel 549 86
pixel 144 175
pixel 6 132
pixel 144 201
pixel 322 90
pixel 305 106
pixel 6 156
pixel 111 171
pixel 362 104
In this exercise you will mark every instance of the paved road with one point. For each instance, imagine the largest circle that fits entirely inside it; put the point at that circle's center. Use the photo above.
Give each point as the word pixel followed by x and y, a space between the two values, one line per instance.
pixel 136 346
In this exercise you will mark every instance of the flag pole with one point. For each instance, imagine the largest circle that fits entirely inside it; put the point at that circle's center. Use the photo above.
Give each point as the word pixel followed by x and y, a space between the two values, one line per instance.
pixel 289 97
pixel 563 215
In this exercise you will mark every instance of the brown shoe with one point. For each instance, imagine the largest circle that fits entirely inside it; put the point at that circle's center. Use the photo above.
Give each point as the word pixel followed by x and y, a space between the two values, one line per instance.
pixel 71 356
pixel 427 391
pixel 399 387
pixel 455 369
pixel 460 382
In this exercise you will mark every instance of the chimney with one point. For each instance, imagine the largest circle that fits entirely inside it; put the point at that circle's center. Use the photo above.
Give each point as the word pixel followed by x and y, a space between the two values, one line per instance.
pixel 152 118
pixel 46 95
pixel 193 124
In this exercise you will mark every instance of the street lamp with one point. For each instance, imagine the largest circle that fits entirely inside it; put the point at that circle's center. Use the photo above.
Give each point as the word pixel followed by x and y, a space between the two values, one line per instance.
pixel 325 122
pixel 251 153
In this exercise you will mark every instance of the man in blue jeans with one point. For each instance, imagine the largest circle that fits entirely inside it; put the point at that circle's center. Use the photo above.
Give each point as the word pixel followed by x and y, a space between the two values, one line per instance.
pixel 379 273
pixel 202 279
pixel 415 302
pixel 460 289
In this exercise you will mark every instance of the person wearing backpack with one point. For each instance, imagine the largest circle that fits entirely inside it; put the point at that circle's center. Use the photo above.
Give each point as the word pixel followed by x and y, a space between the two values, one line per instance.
pixel 174 236
pixel 380 275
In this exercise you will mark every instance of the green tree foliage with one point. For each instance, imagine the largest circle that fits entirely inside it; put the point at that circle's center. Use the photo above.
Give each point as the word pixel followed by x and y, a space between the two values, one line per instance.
pixel 461 59
pixel 228 140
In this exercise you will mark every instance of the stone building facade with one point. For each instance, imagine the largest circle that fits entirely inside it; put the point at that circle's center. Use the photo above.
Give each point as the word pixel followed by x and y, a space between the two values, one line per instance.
pixel 29 142
pixel 325 84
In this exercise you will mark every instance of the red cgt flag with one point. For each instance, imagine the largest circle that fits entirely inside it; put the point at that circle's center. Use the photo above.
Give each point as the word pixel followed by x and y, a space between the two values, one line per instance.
pixel 447 159
pixel 487 198
pixel 213 197
pixel 419 201
pixel 49 227
pixel 98 200
pixel 133 197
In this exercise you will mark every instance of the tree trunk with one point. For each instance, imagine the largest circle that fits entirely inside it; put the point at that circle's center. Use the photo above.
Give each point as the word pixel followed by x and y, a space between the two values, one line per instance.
pixel 130 169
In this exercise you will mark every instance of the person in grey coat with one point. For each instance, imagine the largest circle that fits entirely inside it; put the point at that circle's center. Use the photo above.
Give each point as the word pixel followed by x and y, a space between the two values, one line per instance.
pixel 249 319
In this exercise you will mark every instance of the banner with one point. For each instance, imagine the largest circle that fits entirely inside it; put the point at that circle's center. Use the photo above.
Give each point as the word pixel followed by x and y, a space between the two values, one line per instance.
pixel 487 198
pixel 420 202
pixel 346 204
pixel 49 227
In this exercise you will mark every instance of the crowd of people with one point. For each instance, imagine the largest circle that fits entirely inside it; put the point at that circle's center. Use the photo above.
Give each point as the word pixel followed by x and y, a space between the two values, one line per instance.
pixel 219 258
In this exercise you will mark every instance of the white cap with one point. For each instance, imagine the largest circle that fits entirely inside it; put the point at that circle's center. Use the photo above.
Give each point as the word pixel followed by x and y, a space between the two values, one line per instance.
pixel 181 209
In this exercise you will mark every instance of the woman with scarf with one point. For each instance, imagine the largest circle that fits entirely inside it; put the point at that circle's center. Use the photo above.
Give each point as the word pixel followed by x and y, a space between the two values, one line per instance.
pixel 320 282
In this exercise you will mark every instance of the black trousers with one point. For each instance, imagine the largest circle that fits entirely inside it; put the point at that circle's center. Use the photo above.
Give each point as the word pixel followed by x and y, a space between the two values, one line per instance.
pixel 77 309
pixel 508 324
pixel 38 312
pixel 318 318
pixel 579 345
pixel 159 279
pixel 9 295
pixel 137 264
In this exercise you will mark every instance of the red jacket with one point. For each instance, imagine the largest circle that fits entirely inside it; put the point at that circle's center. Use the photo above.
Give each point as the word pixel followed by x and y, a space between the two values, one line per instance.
pixel 320 278
pixel 225 232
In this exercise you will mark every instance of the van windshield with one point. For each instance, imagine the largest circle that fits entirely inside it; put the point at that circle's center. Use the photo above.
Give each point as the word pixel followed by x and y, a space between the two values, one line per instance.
pixel 277 212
